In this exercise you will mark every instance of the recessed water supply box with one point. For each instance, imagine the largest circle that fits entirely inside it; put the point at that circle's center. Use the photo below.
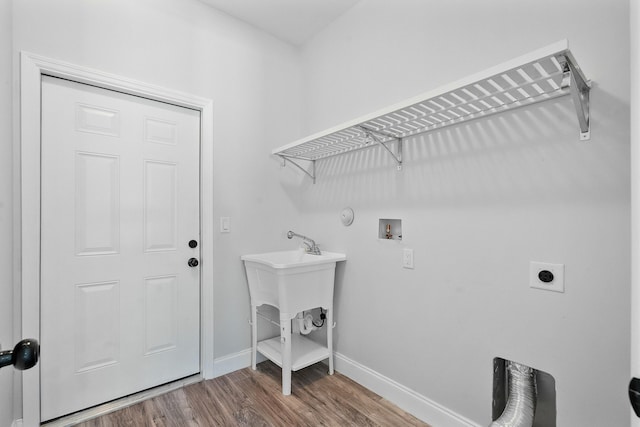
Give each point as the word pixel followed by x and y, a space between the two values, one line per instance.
pixel 511 378
pixel 390 229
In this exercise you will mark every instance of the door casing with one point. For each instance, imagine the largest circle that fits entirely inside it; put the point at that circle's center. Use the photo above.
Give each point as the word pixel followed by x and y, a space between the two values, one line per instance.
pixel 32 67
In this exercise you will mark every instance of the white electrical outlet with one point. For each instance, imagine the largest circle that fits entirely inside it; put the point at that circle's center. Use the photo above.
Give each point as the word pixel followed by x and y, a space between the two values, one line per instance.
pixel 543 275
pixel 407 258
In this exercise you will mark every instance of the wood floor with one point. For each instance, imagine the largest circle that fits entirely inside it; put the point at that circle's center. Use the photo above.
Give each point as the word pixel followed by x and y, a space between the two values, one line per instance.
pixel 254 398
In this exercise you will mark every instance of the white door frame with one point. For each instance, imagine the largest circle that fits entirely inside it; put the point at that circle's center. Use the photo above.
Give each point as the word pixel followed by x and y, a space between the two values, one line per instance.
pixel 28 245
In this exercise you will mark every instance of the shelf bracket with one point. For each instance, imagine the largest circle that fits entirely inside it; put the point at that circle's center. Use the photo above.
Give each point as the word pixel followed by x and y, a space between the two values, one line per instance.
pixel 580 89
pixel 311 174
pixel 373 134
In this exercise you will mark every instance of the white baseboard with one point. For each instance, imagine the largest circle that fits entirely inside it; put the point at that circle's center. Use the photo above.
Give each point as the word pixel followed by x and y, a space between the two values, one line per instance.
pixel 408 400
pixel 17 423
pixel 232 362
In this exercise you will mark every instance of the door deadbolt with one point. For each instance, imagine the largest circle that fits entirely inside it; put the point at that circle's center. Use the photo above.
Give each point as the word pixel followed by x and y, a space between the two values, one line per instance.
pixel 193 243
pixel 193 262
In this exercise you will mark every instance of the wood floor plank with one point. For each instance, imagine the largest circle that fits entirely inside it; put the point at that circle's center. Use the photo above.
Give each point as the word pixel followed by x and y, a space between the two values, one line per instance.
pixel 207 407
pixel 254 399
pixel 308 410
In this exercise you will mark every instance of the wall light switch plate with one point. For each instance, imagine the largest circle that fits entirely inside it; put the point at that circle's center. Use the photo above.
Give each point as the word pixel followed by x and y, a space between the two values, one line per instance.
pixel 407 258
pixel 543 275
pixel 225 224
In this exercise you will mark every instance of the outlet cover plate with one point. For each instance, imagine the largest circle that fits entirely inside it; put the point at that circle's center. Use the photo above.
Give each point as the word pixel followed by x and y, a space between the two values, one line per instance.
pixel 556 285
pixel 407 258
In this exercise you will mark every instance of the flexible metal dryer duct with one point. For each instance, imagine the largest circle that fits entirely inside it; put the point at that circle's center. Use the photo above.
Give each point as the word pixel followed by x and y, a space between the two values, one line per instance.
pixel 521 403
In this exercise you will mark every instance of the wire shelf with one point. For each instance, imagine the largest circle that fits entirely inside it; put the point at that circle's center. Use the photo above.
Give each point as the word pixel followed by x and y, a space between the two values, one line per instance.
pixel 539 76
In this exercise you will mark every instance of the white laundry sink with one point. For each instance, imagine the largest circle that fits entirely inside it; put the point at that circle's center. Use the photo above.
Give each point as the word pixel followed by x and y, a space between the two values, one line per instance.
pixel 292 281
pixel 292 259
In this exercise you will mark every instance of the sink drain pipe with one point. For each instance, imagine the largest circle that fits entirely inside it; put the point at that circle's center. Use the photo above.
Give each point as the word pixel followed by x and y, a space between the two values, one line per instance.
pixel 521 403
pixel 305 323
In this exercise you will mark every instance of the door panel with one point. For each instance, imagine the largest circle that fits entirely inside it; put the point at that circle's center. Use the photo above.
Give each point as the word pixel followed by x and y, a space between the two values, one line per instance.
pixel 120 202
pixel 161 314
pixel 96 325
pixel 160 206
pixel 97 204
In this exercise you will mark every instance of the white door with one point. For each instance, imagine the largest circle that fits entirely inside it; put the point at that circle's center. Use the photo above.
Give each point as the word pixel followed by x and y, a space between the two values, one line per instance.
pixel 120 205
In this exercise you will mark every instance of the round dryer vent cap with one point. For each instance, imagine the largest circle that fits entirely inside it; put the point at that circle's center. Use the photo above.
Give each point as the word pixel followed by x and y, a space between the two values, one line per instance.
pixel 346 216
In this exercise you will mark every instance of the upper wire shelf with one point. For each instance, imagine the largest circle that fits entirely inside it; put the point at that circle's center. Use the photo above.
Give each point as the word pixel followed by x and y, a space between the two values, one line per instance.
pixel 541 75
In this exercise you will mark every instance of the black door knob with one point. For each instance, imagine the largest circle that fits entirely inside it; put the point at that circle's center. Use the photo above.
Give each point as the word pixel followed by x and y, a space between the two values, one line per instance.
pixel 193 243
pixel 634 395
pixel 193 262
pixel 23 356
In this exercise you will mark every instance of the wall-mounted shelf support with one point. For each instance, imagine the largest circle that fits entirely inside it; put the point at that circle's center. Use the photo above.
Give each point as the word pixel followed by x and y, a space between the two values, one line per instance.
pixel 580 90
pixel 373 135
pixel 539 76
pixel 311 174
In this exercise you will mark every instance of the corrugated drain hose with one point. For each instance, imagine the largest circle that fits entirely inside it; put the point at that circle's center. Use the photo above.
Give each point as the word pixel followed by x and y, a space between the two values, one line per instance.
pixel 521 403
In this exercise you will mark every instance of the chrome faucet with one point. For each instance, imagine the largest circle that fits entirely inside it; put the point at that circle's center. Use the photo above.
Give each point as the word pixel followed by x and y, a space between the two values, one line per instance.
pixel 312 248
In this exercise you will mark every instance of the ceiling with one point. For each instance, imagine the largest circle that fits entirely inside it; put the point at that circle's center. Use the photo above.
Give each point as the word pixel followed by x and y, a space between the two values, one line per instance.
pixel 294 21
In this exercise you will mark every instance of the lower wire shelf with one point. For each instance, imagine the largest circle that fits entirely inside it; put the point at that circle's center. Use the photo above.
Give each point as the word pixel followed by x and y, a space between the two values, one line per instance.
pixel 304 352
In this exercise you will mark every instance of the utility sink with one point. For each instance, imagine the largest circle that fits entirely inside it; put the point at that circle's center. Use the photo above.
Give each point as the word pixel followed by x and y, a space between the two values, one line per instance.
pixel 292 259
pixel 293 282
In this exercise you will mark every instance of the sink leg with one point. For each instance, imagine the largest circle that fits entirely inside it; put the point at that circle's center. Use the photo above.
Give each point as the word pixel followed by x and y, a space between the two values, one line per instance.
pixel 285 344
pixel 254 335
pixel 330 338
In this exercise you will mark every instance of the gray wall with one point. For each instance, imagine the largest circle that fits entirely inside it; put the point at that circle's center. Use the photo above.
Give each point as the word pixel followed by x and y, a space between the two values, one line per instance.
pixel 478 202
pixel 6 210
